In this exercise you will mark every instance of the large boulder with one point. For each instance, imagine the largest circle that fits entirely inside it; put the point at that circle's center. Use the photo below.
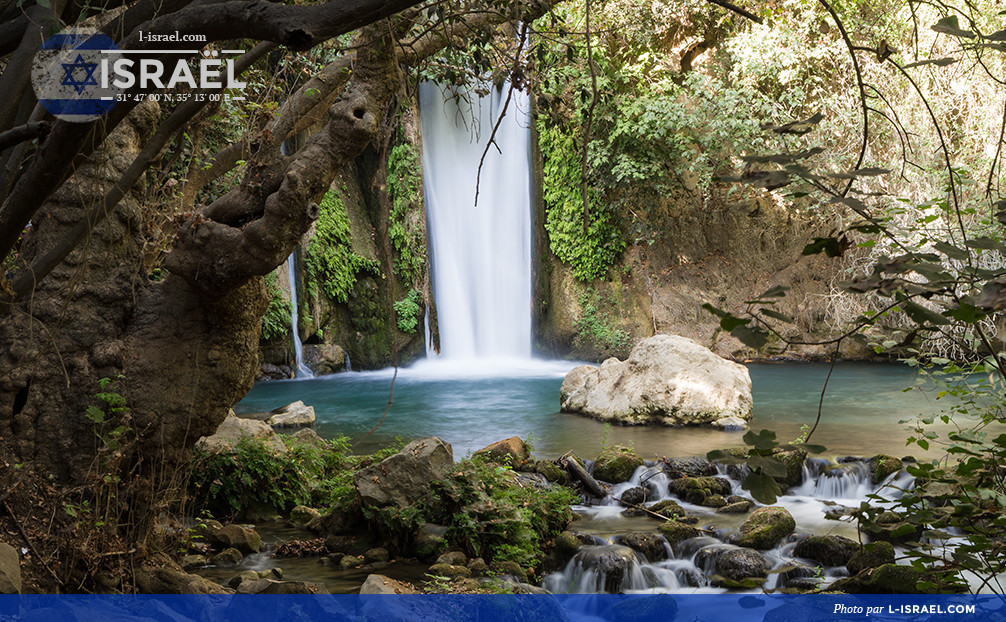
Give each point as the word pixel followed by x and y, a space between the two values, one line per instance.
pixel 295 415
pixel 827 550
pixel 872 555
pixel 380 584
pixel 667 380
pixel 511 452
pixel 404 478
pixel 651 546
pixel 242 538
pixel 324 358
pixel 765 528
pixel 10 570
pixel 739 564
pixel 233 429
pixel 705 491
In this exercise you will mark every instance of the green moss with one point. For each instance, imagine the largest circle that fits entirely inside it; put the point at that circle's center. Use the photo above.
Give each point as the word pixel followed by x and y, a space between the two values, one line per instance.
pixel 595 328
pixel 276 321
pixel 408 311
pixel 330 258
pixel 406 228
pixel 591 252
pixel 616 464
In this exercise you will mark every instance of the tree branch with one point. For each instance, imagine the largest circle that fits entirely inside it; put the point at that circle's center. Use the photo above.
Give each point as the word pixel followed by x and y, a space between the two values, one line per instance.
pixel 22 133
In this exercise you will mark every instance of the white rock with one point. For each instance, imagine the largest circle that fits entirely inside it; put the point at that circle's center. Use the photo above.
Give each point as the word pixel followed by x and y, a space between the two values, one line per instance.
pixel 295 415
pixel 730 424
pixel 233 429
pixel 667 380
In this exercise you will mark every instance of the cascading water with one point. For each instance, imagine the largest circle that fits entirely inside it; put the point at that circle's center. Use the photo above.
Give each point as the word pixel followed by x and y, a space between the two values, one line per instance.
pixel 481 255
pixel 300 369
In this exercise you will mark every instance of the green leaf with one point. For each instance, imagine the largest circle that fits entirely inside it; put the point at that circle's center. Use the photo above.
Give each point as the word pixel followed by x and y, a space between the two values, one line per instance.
pixel 967 313
pixel 731 322
pixel 986 243
pixel 782 317
pixel 764 440
pixel 951 251
pixel 751 337
pixel 763 488
pixel 923 315
pixel 768 465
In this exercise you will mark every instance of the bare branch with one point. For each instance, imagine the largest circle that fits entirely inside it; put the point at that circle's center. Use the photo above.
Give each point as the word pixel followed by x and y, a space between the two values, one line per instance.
pixel 736 9
pixel 22 133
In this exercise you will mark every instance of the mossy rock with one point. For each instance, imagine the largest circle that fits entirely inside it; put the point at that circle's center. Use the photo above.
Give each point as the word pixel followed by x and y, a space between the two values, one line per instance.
pixel 872 555
pixel 511 452
pixel 827 550
pixel 884 466
pixel 551 471
pixel 698 490
pixel 676 532
pixel 669 508
pixel 509 568
pixel 616 464
pixel 303 515
pixel 793 459
pixel 351 561
pixel 715 501
pixel 566 544
pixel 765 527
pixel 885 579
pixel 227 558
pixel 450 571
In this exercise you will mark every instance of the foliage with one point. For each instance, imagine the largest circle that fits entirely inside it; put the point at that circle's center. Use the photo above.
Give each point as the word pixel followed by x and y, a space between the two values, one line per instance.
pixel 765 467
pixel 406 228
pixel 330 258
pixel 409 310
pixel 111 419
pixel 595 326
pixel 276 321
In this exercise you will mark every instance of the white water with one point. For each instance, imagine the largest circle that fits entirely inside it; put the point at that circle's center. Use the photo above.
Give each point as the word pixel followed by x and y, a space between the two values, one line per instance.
pixel 481 255
pixel 300 369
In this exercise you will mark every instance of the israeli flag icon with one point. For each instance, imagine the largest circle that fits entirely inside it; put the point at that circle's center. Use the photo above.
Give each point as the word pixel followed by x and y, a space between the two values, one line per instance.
pixel 66 75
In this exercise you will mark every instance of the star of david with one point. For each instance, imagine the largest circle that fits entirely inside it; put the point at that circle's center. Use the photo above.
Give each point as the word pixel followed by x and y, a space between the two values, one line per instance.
pixel 70 79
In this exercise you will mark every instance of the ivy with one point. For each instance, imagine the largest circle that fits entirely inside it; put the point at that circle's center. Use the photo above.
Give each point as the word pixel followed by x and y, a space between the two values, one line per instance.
pixel 589 254
pixel 405 223
pixel 330 259
pixel 408 311
pixel 276 321
pixel 595 326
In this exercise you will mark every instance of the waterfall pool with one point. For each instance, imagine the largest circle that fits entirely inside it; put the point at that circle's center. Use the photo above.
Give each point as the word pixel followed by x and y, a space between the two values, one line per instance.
pixel 471 404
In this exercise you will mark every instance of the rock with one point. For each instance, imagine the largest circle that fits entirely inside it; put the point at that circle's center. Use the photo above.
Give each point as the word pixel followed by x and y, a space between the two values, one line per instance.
pixel 635 495
pixel 551 471
pixel 295 415
pixel 350 561
pixel 885 579
pixel 405 477
pixel 227 558
pixel 793 459
pixel 171 581
pixel 450 571
pixel 616 464
pixel 567 544
pixel 871 555
pixel 667 380
pixel 205 528
pixel 241 538
pixel 737 507
pixel 715 501
pixel 192 562
pixel 307 436
pixel 380 584
pixel 668 508
pixel 826 550
pixel 478 566
pixel 324 358
pixel 509 568
pixel 453 558
pixel 233 429
pixel 730 424
pixel 883 466
pixel 649 545
pixel 510 452
pixel 378 554
pixel 302 515
pixel 764 528
pixel 612 564
pixel 697 490
pixel 271 573
pixel 430 541
pixel 739 564
pixel 675 532
pixel 268 371
pixel 689 467
pixel 247 575
pixel 10 570
pixel 270 586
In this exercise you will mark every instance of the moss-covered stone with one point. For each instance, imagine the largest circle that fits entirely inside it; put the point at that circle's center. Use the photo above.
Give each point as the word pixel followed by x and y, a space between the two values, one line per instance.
pixel 793 460
pixel 450 571
pixel 872 555
pixel 616 464
pixel 827 550
pixel 765 527
pixel 884 466
pixel 351 561
pixel 551 471
pixel 509 568
pixel 885 579
pixel 227 558
pixel 567 544
pixel 668 508
pixel 676 531
pixel 511 452
pixel 302 515
pixel 698 490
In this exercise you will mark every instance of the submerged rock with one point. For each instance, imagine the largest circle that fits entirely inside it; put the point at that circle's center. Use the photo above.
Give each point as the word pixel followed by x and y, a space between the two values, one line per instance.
pixel 404 478
pixel 649 545
pixel 884 466
pixel 675 532
pixel 740 564
pixel 764 528
pixel 667 380
pixel 610 568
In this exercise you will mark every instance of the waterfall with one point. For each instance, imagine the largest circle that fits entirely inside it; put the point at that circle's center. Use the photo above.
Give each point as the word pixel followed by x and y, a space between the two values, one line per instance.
pixel 480 255
pixel 300 370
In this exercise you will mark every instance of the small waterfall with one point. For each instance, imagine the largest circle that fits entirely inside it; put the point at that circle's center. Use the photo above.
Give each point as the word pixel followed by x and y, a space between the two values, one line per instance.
pixel 349 364
pixel 849 480
pixel 300 370
pixel 480 255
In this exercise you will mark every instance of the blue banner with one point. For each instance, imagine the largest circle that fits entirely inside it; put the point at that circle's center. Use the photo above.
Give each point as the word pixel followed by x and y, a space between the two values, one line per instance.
pixel 537 608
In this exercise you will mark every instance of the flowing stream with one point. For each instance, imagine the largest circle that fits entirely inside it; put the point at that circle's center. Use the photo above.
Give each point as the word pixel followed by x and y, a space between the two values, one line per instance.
pixel 300 369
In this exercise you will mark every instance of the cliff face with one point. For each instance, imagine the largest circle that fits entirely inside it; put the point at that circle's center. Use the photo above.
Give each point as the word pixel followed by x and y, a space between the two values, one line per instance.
pixel 720 249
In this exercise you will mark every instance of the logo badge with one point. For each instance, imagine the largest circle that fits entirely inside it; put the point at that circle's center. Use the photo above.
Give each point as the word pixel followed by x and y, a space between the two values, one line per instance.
pixel 64 76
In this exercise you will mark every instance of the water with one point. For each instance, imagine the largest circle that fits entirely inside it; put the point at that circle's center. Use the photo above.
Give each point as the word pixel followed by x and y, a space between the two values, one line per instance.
pixel 300 369
pixel 472 404
pixel 480 255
